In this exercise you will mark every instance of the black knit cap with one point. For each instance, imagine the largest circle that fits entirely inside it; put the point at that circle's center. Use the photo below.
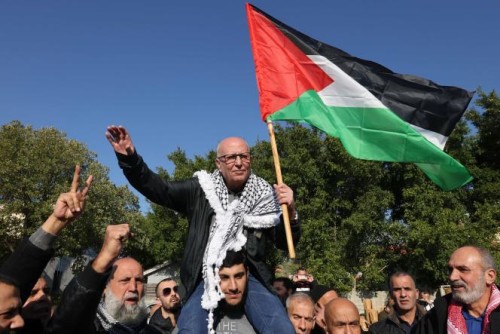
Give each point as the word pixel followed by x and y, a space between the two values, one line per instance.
pixel 318 291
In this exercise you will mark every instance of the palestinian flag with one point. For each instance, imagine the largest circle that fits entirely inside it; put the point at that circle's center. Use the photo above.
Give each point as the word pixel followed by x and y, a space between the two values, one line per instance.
pixel 377 114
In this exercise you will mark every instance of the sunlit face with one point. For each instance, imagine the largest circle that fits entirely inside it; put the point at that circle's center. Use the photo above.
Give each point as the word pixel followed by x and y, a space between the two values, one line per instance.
pixel 38 305
pixel 468 278
pixel 233 283
pixel 342 317
pixel 168 295
pixel 319 307
pixel 127 283
pixel 404 293
pixel 301 314
pixel 235 173
pixel 10 304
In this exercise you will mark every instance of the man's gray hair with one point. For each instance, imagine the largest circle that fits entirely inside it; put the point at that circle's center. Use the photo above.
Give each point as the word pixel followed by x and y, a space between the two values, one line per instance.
pixel 299 296
pixel 487 260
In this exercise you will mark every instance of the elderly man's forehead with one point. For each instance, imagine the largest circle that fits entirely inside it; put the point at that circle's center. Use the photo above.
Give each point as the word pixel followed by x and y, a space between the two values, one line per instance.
pixel 127 267
pixel 231 143
pixel 465 256
pixel 304 305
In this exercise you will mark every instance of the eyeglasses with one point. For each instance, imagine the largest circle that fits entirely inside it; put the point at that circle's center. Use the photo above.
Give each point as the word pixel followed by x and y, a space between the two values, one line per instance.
pixel 231 158
pixel 167 291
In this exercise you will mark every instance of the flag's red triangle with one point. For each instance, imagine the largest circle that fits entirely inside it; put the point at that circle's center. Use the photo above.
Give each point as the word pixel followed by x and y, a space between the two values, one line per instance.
pixel 283 71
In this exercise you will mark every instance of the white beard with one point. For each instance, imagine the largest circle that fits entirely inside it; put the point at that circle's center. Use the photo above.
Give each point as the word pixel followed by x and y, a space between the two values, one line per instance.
pixel 129 315
pixel 472 294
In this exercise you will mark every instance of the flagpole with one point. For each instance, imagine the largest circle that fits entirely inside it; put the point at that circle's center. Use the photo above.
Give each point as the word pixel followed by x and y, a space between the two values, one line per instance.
pixel 279 179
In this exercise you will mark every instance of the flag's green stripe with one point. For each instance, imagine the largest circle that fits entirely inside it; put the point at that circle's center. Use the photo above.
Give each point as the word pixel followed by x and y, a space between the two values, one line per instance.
pixel 377 134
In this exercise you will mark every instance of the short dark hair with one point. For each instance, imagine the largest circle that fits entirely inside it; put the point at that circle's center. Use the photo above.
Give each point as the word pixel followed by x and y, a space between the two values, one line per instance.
pixel 287 283
pixel 167 279
pixel 5 279
pixel 233 258
pixel 399 274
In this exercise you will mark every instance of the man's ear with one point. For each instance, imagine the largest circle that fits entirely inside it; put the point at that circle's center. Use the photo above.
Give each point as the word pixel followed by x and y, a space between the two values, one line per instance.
pixel 323 323
pixel 490 275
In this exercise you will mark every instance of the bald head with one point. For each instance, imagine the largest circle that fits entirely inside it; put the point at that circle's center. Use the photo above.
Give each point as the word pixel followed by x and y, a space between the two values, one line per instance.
pixel 228 142
pixel 233 162
pixel 342 316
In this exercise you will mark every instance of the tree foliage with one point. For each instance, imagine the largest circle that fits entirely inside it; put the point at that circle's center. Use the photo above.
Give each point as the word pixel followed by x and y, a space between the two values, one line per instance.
pixel 357 216
pixel 37 166
pixel 371 217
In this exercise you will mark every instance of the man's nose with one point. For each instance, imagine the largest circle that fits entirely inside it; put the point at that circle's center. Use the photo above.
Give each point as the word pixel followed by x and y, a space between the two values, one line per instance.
pixel 17 322
pixel 132 285
pixel 302 324
pixel 238 161
pixel 232 285
pixel 454 275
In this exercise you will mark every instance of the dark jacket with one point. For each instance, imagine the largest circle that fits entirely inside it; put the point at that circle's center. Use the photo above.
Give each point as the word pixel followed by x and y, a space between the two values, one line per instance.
pixel 76 313
pixel 160 324
pixel 77 309
pixel 187 197
pixel 391 324
pixel 435 320
pixel 25 266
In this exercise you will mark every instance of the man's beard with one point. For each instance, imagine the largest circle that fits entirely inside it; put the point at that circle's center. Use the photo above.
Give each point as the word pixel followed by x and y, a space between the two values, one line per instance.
pixel 129 315
pixel 173 307
pixel 471 293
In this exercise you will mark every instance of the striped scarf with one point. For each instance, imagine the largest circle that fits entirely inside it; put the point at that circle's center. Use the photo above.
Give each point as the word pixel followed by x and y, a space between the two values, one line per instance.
pixel 256 207
pixel 456 322
pixel 112 326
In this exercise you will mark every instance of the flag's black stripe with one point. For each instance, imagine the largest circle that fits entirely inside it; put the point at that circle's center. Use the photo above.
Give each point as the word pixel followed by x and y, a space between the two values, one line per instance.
pixel 418 101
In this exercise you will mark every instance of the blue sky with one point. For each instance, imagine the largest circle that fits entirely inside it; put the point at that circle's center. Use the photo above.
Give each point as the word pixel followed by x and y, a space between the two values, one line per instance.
pixel 181 73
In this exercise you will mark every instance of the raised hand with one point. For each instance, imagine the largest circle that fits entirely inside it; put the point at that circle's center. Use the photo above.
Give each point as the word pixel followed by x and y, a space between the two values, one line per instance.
pixel 115 237
pixel 119 138
pixel 69 206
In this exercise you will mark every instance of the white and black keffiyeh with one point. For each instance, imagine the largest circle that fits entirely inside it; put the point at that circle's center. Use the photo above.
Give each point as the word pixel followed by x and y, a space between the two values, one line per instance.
pixel 256 207
pixel 110 324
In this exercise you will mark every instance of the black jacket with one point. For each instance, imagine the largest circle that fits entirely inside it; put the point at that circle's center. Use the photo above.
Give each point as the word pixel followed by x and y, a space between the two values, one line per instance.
pixel 187 197
pixel 435 320
pixel 391 324
pixel 76 313
pixel 25 266
pixel 77 309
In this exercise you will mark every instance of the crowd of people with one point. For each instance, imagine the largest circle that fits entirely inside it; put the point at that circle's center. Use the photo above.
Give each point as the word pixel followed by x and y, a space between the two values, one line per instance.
pixel 232 214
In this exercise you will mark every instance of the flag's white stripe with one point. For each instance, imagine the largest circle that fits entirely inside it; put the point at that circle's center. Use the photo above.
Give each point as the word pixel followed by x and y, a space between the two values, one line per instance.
pixel 347 92
pixel 436 138
pixel 344 91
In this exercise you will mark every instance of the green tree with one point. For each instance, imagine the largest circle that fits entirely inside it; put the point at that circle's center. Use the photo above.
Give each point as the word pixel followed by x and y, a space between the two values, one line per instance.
pixel 37 166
